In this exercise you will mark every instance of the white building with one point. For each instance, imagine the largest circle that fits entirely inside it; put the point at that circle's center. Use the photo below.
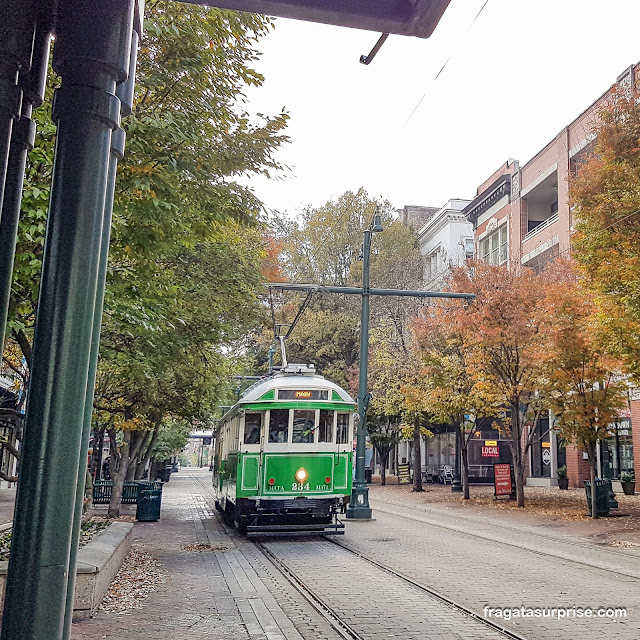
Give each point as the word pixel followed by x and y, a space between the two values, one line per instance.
pixel 446 240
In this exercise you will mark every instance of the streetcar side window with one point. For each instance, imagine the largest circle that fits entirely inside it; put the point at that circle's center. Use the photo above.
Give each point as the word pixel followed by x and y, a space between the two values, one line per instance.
pixel 343 428
pixel 303 426
pixel 279 425
pixel 252 425
pixel 325 428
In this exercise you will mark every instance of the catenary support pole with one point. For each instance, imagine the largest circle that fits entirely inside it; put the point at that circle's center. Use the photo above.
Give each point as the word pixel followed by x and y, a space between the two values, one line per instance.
pixel 124 91
pixel 93 42
pixel 359 505
pixel 17 27
pixel 23 134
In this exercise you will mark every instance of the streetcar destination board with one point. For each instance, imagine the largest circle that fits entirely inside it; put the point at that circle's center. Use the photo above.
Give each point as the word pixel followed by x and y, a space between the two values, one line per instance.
pixel 303 394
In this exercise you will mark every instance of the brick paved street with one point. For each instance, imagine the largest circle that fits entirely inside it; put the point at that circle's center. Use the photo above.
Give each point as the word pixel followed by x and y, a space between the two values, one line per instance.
pixel 236 592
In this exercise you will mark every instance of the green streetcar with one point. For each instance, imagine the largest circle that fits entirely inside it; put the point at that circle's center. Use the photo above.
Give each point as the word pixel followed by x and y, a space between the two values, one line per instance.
pixel 283 456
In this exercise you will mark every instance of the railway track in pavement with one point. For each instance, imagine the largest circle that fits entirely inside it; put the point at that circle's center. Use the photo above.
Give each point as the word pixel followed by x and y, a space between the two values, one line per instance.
pixel 361 599
pixel 436 613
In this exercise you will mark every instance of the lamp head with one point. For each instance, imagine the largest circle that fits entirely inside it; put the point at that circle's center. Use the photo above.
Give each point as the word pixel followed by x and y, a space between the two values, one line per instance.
pixel 377 223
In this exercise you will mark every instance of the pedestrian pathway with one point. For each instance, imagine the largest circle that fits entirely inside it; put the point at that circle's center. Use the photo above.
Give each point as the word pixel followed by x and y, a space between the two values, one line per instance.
pixel 7 501
pixel 229 592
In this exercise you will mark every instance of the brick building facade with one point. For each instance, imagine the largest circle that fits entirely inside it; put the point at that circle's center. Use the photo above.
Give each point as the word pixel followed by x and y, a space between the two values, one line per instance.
pixel 521 217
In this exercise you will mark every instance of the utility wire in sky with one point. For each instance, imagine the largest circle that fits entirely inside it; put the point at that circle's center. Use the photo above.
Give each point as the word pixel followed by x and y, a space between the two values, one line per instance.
pixel 445 64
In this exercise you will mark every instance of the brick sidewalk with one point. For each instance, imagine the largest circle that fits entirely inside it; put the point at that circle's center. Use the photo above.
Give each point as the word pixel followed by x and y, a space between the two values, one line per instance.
pixel 227 594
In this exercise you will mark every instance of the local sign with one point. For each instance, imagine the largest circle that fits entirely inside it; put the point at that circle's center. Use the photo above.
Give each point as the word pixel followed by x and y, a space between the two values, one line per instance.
pixel 490 449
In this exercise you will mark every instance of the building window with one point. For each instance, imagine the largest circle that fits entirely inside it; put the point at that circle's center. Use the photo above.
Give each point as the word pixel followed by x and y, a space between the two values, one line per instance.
pixel 494 248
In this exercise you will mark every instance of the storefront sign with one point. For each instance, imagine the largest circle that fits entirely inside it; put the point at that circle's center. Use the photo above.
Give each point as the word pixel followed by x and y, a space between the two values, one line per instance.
pixel 490 449
pixel 503 485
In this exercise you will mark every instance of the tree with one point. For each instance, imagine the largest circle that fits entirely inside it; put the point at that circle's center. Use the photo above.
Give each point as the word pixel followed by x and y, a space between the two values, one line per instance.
pixel 586 389
pixel 605 201
pixel 187 248
pixel 454 390
pixel 392 369
pixel 384 433
pixel 503 325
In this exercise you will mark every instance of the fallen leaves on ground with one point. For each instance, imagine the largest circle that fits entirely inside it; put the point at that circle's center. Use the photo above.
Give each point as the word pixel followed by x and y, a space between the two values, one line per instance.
pixel 139 575
pixel 549 502
pixel 624 543
pixel 206 547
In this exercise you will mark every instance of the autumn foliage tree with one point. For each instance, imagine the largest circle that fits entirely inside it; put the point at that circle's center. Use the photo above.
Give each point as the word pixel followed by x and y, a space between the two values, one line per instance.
pixel 585 388
pixel 503 325
pixel 454 390
pixel 605 200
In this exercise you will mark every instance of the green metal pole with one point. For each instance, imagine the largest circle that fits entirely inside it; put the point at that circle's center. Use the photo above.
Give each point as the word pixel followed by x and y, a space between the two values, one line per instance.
pixel 124 91
pixel 117 152
pixel 22 140
pixel 93 41
pixel 17 26
pixel 359 504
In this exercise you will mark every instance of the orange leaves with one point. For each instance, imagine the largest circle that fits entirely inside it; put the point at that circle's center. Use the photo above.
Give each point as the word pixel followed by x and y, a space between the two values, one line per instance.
pixel 271 264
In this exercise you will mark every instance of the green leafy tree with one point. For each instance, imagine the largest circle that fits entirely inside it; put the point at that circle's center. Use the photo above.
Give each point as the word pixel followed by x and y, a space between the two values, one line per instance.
pixel 187 248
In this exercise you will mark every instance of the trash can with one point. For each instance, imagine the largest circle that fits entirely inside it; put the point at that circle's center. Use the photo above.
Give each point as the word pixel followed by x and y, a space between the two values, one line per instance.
pixel 148 505
pixel 603 487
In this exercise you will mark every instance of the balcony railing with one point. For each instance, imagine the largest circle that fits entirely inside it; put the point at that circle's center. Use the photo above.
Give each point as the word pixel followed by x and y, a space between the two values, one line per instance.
pixel 543 225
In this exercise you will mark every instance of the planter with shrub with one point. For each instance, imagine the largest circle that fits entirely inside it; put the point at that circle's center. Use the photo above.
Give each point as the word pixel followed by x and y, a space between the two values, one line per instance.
pixel 563 480
pixel 628 482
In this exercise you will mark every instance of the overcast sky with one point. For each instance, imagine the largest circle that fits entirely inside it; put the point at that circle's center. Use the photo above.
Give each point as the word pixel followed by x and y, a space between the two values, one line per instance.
pixel 514 78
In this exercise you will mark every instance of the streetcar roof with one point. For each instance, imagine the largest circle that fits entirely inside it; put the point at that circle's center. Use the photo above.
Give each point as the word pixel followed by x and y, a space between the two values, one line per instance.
pixel 292 381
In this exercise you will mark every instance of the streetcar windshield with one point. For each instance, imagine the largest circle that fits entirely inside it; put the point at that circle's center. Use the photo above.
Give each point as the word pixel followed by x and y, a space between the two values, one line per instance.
pixel 303 426
pixel 325 428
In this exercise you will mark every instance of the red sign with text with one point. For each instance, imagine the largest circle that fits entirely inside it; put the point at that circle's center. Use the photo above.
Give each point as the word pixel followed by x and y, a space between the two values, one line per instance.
pixel 502 479
pixel 490 452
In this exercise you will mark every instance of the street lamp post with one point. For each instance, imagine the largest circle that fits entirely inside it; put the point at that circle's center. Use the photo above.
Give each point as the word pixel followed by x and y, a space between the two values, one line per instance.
pixel 359 508
pixel 456 485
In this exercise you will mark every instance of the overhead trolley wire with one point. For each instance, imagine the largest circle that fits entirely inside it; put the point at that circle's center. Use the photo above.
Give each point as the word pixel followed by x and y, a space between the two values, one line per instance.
pixel 444 65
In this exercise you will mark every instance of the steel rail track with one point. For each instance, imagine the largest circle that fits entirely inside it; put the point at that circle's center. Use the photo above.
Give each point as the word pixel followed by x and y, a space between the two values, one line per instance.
pixel 338 625
pixel 432 592
pixel 333 618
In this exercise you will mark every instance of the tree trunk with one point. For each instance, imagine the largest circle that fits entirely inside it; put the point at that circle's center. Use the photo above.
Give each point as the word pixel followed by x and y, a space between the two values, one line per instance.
pixel 464 452
pixel 119 478
pixel 146 458
pixel 383 472
pixel 96 459
pixel 417 455
pixel 518 469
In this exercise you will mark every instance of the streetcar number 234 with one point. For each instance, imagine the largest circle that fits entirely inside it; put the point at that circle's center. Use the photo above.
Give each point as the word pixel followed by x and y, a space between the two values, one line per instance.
pixel 299 486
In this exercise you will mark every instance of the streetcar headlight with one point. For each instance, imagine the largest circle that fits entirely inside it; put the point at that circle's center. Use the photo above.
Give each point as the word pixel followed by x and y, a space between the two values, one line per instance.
pixel 301 475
